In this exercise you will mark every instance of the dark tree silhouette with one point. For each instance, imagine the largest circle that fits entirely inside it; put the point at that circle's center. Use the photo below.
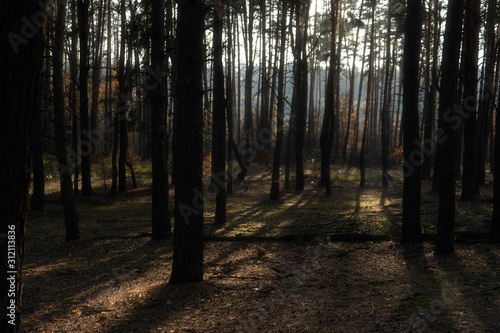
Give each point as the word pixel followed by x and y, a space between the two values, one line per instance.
pixel 470 57
pixel 219 120
pixel 21 57
pixel 187 263
pixel 160 215
pixel 448 102
pixel 86 148
pixel 411 232
pixel 326 136
pixel 122 106
pixel 299 102
pixel 275 185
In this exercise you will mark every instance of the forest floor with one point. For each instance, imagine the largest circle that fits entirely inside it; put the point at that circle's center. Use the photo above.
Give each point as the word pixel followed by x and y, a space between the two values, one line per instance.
pixel 274 267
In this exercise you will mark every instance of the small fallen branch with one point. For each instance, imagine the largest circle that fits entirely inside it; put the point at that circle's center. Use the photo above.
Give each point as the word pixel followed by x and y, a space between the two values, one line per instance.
pixel 485 289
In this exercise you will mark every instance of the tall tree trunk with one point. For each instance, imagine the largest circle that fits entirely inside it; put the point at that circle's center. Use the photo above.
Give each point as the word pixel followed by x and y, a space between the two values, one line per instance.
pixel 263 132
pixel 470 50
pixel 160 218
pixel 187 263
pixel 19 70
pixel 122 107
pixel 38 196
pixel 86 148
pixel 351 88
pixel 219 119
pixel 384 114
pixel 411 230
pixel 75 128
pixel 237 28
pixel 487 99
pixel 448 103
pixel 293 111
pixel 230 78
pixel 96 74
pixel 248 116
pixel 311 137
pixel 337 112
pixel 429 143
pixel 326 136
pixel 65 165
pixel 275 185
pixel 360 91
pixel 108 92
pixel 369 91
pixel 495 220
pixel 300 89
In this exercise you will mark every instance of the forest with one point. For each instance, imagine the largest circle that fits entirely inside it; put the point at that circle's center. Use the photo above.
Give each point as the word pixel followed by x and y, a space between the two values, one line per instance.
pixel 249 166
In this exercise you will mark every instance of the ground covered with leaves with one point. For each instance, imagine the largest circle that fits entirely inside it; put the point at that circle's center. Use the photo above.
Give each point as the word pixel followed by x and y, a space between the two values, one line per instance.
pixel 274 267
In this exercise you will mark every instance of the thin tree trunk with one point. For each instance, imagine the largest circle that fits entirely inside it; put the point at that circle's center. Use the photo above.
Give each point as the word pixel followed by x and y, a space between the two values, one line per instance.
pixel 65 166
pixel 351 89
pixel 384 115
pixel 495 220
pixel 122 107
pixel 360 91
pixel 264 128
pixel 487 99
pixel 96 75
pixel 219 119
pixel 86 149
pixel 428 142
pixel 369 92
pixel 470 49
pixel 108 92
pixel 248 117
pixel 160 218
pixel 230 101
pixel 275 185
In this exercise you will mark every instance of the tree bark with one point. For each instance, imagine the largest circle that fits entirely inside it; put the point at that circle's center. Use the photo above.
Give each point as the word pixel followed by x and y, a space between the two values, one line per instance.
pixel 447 108
pixel 19 70
pixel 65 165
pixel 122 107
pixel 219 119
pixel 187 263
pixel 230 78
pixel 470 50
pixel 300 89
pixel 96 74
pixel 248 114
pixel 411 230
pixel 485 116
pixel 351 89
pixel 85 144
pixel 38 196
pixel 384 114
pixel 369 91
pixel 275 185
pixel 495 220
pixel 326 136
pixel 160 218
